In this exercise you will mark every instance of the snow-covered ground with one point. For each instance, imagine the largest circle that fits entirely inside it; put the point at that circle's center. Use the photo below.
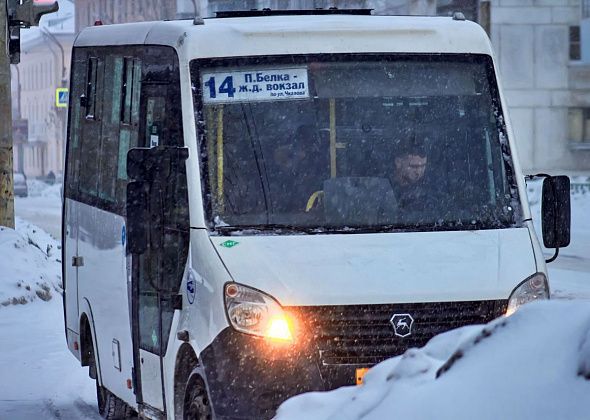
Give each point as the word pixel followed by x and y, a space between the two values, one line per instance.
pixel 39 377
pixel 30 265
pixel 527 368
pixel 42 207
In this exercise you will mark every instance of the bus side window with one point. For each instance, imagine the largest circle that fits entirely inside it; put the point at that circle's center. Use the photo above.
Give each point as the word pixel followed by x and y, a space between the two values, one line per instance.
pixel 109 127
pixel 78 88
pixel 129 120
pixel 91 130
pixel 91 87
pixel 119 129
pixel 109 146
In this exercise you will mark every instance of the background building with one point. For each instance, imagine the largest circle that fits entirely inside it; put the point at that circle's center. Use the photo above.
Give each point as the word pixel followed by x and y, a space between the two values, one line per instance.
pixel 39 124
pixel 120 11
pixel 545 63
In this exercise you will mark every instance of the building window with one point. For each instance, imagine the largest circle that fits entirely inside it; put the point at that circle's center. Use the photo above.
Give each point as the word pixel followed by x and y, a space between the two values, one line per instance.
pixel 585 9
pixel 579 128
pixel 575 51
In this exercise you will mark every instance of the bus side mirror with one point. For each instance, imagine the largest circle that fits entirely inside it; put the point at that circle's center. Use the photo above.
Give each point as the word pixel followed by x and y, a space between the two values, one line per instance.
pixel 556 211
pixel 137 217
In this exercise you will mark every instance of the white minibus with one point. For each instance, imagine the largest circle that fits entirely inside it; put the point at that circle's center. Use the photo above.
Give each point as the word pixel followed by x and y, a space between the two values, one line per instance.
pixel 267 203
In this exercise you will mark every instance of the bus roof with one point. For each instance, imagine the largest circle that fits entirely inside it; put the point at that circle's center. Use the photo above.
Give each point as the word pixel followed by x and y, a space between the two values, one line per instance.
pixel 278 35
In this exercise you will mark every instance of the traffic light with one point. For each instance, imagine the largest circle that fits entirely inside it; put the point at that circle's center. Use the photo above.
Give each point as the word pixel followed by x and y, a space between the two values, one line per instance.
pixel 27 13
pixel 24 14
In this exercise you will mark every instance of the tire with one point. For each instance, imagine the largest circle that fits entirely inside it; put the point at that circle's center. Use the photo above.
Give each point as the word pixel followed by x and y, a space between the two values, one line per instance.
pixel 109 406
pixel 196 405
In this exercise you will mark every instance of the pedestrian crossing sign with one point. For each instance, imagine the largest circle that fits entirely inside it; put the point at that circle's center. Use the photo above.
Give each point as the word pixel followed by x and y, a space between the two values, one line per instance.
pixel 61 97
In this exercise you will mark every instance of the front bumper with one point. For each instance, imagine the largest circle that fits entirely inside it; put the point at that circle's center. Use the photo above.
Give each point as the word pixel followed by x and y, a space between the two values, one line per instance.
pixel 249 377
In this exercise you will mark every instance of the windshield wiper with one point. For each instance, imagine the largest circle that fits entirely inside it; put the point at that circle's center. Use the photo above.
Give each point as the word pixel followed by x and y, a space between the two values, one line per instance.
pixel 310 230
pixel 405 227
pixel 279 228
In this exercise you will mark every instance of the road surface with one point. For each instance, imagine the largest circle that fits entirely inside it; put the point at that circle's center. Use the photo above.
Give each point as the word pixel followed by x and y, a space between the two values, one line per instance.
pixel 44 212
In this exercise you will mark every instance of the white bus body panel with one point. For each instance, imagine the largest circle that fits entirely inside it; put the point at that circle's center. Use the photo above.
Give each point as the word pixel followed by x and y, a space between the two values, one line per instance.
pixel 102 281
pixel 205 315
pixel 313 270
pixel 70 241
pixel 298 35
pixel 383 267
pixel 151 379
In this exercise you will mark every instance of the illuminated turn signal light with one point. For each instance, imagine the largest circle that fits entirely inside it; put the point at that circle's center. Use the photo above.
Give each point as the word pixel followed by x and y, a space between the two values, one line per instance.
pixel 278 329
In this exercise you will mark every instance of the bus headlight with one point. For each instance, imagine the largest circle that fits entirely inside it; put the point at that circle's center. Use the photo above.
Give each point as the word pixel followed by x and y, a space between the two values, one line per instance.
pixel 533 288
pixel 253 312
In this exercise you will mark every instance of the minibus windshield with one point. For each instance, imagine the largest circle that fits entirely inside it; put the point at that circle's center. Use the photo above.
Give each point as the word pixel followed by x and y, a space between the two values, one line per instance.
pixel 348 142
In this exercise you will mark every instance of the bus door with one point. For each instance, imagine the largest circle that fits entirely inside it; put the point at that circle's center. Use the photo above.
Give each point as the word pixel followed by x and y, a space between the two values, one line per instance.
pixel 157 272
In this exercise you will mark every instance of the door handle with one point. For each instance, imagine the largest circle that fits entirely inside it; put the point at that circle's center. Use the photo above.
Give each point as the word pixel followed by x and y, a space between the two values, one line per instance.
pixel 77 261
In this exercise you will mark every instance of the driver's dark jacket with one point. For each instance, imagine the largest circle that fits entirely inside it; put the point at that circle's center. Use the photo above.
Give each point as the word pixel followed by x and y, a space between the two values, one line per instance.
pixel 414 197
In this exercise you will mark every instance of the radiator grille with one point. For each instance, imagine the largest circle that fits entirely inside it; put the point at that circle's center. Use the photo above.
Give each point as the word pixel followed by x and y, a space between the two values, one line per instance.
pixel 363 334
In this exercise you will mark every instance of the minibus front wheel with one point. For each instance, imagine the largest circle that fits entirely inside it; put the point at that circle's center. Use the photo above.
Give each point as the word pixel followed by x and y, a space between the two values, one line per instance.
pixel 197 405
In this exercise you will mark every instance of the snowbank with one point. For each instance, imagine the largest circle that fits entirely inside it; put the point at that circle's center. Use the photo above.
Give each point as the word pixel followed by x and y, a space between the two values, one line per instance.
pixel 532 365
pixel 39 378
pixel 30 267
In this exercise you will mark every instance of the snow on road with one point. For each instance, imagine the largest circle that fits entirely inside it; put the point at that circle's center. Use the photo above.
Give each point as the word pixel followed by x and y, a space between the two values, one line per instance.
pixel 42 207
pixel 39 377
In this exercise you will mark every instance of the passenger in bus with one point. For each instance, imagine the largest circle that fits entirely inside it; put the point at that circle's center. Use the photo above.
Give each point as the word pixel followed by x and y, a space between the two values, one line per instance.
pixel 298 171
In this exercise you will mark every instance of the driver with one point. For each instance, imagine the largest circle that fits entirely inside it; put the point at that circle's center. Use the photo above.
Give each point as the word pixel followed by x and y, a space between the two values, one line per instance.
pixel 409 166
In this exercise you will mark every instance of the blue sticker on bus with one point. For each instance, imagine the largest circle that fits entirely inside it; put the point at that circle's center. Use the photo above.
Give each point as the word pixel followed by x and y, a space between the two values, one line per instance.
pixel 123 235
pixel 190 288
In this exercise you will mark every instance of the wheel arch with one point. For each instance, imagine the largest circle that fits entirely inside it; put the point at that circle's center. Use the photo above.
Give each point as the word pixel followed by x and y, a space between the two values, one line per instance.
pixel 186 362
pixel 88 337
pixel 85 339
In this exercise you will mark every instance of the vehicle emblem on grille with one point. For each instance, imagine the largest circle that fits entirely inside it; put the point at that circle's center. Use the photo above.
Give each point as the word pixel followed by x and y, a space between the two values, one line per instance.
pixel 402 324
